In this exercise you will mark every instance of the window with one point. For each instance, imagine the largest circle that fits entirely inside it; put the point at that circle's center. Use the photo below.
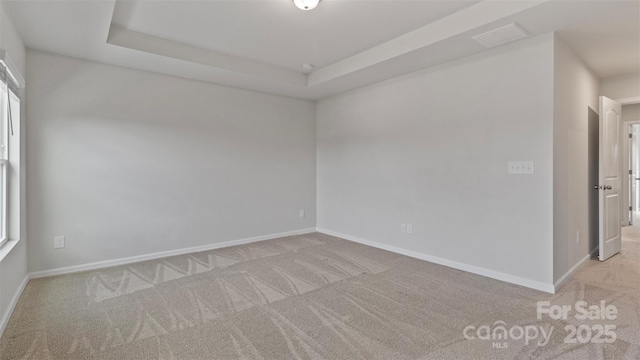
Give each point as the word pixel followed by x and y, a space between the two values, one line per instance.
pixel 9 115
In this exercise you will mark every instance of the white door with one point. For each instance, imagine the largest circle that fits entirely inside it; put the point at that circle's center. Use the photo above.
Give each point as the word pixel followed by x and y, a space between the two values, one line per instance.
pixel 636 155
pixel 633 174
pixel 610 178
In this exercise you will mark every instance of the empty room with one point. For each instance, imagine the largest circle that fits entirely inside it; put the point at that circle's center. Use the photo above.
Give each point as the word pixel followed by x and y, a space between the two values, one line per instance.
pixel 319 179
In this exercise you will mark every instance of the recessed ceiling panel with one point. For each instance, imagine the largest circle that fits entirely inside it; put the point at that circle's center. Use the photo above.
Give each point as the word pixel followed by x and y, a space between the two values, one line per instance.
pixel 501 35
pixel 276 32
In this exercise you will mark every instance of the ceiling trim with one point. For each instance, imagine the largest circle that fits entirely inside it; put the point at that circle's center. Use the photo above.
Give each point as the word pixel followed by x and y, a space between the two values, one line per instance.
pixel 468 19
pixel 460 22
pixel 135 40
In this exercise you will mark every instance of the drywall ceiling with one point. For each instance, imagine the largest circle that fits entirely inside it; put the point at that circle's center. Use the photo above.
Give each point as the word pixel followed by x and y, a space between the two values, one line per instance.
pixel 262 45
pixel 276 32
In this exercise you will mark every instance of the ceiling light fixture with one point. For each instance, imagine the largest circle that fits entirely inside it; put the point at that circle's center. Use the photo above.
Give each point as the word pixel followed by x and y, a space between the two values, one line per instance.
pixel 306 4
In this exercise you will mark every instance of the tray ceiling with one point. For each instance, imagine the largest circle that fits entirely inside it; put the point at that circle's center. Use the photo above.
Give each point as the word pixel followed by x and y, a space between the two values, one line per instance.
pixel 262 45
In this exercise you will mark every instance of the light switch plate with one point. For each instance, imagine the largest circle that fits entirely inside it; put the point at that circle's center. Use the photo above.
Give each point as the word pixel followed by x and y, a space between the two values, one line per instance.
pixel 58 242
pixel 520 167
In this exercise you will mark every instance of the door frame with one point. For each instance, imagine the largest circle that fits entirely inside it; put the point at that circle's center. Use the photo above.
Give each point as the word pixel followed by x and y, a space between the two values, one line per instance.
pixel 624 138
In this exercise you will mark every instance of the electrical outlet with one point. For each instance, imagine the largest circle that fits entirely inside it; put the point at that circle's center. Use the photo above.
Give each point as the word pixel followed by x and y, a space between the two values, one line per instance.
pixel 578 237
pixel 403 227
pixel 409 229
pixel 58 242
pixel 520 167
pixel 301 213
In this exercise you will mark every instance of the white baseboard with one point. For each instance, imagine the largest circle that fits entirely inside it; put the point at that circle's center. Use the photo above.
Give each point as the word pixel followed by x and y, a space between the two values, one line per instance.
pixel 563 279
pixel 12 305
pixel 537 285
pixel 163 254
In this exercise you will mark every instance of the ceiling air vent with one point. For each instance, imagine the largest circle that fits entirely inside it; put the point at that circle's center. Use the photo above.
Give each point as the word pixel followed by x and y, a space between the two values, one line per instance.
pixel 501 36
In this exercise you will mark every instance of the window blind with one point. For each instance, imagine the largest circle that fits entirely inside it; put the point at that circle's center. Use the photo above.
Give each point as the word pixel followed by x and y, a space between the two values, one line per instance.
pixel 8 81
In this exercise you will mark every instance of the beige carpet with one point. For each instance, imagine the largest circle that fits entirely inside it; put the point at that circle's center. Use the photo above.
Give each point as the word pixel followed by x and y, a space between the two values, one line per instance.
pixel 312 297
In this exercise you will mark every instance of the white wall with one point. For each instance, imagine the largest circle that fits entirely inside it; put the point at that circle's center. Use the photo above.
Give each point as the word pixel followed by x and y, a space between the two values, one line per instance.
pixel 431 149
pixel 125 163
pixel 10 40
pixel 621 87
pixel 631 112
pixel 13 266
pixel 575 92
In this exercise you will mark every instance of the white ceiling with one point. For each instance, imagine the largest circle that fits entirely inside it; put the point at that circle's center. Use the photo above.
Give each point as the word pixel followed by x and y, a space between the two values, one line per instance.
pixel 262 44
pixel 277 32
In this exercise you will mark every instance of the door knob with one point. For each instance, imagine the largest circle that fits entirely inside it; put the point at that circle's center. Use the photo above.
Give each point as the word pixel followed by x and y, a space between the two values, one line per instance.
pixel 608 187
